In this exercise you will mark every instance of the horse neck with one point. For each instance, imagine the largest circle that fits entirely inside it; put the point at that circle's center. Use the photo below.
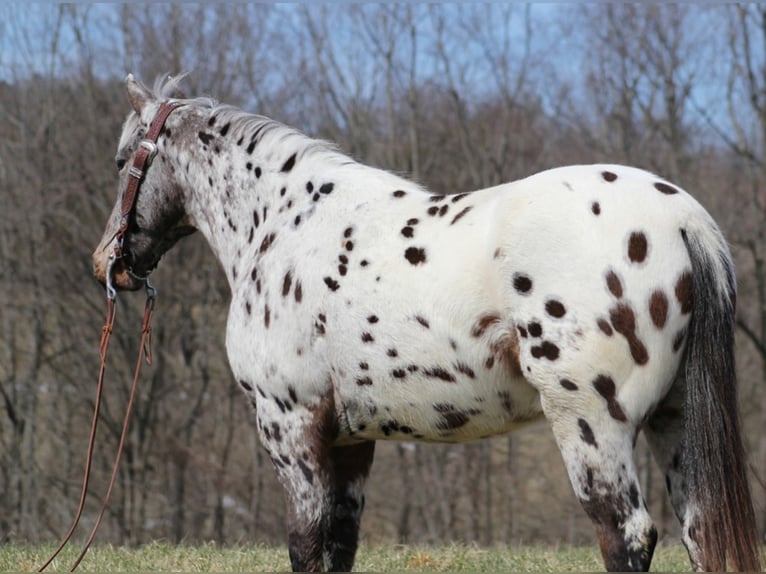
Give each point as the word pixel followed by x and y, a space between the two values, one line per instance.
pixel 241 176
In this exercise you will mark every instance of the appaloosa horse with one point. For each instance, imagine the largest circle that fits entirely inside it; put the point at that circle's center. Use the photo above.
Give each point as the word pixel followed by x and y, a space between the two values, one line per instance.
pixel 364 307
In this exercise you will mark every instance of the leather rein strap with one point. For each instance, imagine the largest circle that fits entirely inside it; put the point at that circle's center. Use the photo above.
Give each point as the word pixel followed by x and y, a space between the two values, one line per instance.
pixel 141 162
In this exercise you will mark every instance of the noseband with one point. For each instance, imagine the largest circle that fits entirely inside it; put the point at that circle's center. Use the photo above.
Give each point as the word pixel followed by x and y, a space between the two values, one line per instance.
pixel 147 149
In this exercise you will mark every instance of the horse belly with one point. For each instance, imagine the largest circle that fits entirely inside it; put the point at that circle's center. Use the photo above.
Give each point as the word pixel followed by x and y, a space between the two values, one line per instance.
pixel 432 398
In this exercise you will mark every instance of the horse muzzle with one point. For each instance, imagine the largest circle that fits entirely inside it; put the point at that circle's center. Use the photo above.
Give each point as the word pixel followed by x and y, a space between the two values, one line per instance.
pixel 120 277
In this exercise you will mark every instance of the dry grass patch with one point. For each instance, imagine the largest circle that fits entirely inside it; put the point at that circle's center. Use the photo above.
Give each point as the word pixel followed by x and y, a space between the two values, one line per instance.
pixel 162 557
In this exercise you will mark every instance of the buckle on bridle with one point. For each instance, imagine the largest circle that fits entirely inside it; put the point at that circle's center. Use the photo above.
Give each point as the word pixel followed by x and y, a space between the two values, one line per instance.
pixel 150 147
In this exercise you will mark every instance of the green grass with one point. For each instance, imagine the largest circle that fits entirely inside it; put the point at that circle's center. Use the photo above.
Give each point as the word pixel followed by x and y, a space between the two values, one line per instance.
pixel 159 556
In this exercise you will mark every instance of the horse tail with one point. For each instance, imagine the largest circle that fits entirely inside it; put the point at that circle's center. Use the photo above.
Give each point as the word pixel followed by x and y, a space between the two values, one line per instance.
pixel 720 518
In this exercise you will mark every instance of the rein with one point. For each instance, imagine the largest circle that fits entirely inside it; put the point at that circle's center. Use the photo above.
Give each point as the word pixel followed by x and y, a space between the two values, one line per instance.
pixel 141 162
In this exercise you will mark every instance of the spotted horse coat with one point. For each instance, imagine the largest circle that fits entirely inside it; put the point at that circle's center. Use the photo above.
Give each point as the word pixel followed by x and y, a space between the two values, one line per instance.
pixel 363 307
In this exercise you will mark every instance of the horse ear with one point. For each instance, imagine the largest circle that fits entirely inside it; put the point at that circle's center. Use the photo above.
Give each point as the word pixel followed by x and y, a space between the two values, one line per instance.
pixel 138 94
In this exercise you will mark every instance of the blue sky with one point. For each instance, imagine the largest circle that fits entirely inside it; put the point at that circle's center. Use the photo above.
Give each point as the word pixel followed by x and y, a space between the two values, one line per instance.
pixel 29 32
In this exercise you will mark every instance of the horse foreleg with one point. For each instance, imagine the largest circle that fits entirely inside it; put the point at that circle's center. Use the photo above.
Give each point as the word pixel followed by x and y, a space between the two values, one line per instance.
pixel 350 467
pixel 298 440
pixel 597 451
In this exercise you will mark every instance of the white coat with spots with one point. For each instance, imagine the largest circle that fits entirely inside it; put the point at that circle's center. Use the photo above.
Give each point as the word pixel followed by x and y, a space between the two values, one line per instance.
pixel 364 307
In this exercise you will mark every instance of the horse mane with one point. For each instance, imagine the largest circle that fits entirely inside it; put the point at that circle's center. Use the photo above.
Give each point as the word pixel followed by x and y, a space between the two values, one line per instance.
pixel 167 86
pixel 245 124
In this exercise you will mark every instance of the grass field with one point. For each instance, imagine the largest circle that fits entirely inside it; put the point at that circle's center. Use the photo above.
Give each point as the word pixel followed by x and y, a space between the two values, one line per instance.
pixel 394 558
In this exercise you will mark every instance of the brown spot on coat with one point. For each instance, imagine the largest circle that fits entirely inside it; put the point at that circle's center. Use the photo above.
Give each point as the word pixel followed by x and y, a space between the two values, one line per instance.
pixel 545 349
pixel 423 321
pixel 605 327
pixel 614 284
pixel 638 247
pixel 568 385
pixel 266 243
pixel 415 255
pixel 658 308
pixel 286 284
pixel 586 433
pixel 463 368
pixel 460 214
pixel 685 292
pixel 522 283
pixel 288 165
pixel 624 322
pixel 665 188
pixel 331 283
pixel 609 176
pixel 298 293
pixel 451 417
pixel 439 373
pixel 605 386
pixel 246 386
pixel 555 308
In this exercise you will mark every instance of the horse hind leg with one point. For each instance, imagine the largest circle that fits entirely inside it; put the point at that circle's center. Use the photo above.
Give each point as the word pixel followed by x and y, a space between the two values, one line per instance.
pixel 598 453
pixel 350 468
pixel 664 432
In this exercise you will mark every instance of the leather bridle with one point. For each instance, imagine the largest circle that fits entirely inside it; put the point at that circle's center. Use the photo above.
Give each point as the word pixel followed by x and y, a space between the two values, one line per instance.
pixel 143 159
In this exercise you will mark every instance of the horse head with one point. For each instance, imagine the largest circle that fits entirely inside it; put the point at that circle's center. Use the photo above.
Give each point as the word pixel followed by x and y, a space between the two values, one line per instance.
pixel 149 215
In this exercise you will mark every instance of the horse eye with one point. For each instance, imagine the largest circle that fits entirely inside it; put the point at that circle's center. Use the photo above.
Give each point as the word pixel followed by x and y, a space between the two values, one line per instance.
pixel 120 162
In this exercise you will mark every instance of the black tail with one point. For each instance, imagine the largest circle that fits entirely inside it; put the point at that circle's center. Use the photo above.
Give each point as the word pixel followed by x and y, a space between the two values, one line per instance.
pixel 715 464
